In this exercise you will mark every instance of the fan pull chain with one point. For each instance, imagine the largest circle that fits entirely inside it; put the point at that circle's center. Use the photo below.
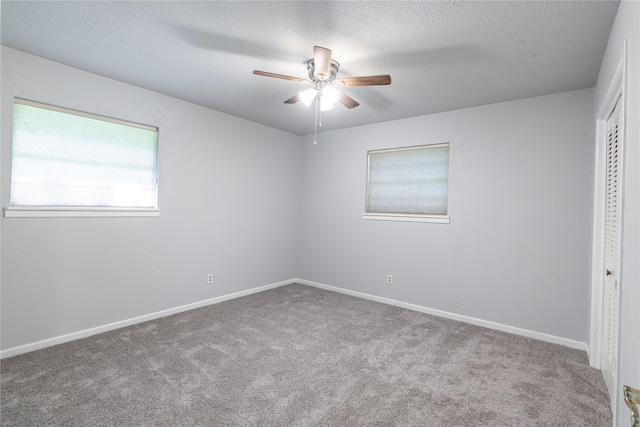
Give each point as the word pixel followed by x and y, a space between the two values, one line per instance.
pixel 315 133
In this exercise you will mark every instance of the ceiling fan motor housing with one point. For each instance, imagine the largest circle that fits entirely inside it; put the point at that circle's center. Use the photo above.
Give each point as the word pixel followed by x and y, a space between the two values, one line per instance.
pixel 333 71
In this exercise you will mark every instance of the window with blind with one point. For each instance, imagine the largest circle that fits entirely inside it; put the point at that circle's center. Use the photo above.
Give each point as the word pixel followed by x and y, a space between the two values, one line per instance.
pixel 408 184
pixel 70 161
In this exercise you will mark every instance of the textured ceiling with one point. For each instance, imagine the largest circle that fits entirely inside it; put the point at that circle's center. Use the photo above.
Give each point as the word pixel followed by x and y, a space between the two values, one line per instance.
pixel 441 55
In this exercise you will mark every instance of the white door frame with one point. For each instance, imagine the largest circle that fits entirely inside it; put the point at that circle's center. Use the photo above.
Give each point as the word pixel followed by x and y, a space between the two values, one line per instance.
pixel 617 89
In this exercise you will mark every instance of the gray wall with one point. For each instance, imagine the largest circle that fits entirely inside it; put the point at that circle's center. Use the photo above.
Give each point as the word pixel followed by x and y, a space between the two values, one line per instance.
pixel 255 207
pixel 627 26
pixel 228 200
pixel 517 250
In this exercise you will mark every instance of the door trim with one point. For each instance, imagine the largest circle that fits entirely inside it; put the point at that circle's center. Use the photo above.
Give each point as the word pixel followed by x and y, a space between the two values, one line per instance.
pixel 616 90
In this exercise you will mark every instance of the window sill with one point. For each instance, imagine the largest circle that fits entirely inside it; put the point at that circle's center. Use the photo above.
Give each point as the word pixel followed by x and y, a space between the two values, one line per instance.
pixel 441 219
pixel 50 212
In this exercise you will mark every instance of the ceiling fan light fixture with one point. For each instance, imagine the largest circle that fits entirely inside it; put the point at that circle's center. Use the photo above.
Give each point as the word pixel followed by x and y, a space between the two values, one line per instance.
pixel 330 94
pixel 325 105
pixel 308 96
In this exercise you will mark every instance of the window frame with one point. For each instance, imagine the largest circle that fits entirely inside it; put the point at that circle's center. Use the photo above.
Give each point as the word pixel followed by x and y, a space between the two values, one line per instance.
pixel 402 217
pixel 35 211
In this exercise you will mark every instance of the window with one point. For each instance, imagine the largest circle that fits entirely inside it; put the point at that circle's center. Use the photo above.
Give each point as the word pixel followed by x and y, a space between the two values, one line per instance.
pixel 70 163
pixel 408 184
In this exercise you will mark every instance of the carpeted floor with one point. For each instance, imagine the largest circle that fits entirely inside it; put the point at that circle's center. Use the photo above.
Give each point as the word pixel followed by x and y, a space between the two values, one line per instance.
pixel 301 356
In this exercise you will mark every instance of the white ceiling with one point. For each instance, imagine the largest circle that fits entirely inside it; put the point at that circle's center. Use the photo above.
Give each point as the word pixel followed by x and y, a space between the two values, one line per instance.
pixel 441 55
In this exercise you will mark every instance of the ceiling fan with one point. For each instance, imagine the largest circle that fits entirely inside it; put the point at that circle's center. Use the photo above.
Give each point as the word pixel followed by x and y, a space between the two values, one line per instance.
pixel 322 77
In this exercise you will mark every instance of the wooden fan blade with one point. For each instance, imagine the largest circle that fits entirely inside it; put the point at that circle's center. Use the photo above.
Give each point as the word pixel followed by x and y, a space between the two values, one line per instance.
pixel 384 79
pixel 293 99
pixel 322 62
pixel 279 76
pixel 347 101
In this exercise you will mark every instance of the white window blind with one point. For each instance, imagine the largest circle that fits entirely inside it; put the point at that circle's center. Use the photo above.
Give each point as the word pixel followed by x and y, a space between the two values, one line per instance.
pixel 411 181
pixel 66 158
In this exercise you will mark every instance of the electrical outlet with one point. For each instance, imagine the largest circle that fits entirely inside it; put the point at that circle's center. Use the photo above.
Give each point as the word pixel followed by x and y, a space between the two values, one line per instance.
pixel 389 279
pixel 210 278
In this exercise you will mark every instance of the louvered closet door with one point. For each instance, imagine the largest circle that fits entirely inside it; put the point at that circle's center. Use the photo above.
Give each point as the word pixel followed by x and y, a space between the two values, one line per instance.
pixel 609 343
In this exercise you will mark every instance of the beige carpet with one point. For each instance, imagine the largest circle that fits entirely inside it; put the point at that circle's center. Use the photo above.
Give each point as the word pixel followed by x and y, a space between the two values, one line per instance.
pixel 301 356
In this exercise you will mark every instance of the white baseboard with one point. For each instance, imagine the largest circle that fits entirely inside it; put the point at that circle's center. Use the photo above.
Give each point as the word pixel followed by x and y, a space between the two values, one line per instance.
pixel 478 322
pixel 14 351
